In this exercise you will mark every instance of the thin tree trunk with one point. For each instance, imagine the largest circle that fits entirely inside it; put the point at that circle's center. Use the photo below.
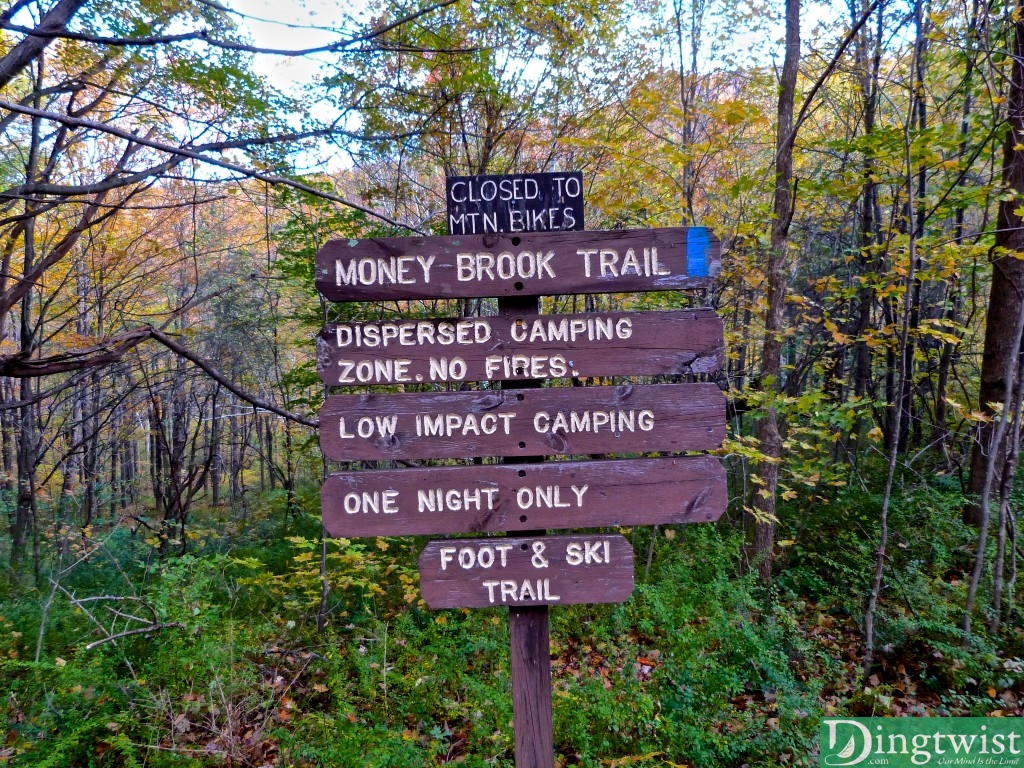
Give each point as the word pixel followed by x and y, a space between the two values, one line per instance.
pixel 28 437
pixel 217 465
pixel 915 221
pixel 995 452
pixel 8 425
pixel 769 430
pixel 270 451
pixel 869 207
pixel 954 300
pixel 115 454
pixel 881 553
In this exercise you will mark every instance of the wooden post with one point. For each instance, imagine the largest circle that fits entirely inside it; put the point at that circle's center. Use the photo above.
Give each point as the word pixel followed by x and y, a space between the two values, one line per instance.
pixel 529 629
pixel 531 687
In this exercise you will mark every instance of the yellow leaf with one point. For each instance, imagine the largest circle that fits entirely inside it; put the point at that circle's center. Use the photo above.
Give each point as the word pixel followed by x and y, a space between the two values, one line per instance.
pixel 789 495
pixel 786 542
pixel 382 545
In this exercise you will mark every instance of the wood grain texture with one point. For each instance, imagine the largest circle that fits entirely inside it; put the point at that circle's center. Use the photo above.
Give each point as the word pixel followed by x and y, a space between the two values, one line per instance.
pixel 493 498
pixel 521 347
pixel 535 570
pixel 526 263
pixel 526 422
pixel 530 646
pixel 529 633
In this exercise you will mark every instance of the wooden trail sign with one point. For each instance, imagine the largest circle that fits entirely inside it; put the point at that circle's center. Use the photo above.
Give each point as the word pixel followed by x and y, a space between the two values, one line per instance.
pixel 521 347
pixel 545 570
pixel 526 422
pixel 527 258
pixel 526 264
pixel 503 497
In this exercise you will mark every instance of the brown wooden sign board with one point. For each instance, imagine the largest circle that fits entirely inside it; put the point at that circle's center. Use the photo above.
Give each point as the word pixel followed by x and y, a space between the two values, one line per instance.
pixel 525 347
pixel 543 570
pixel 523 264
pixel 496 497
pixel 526 422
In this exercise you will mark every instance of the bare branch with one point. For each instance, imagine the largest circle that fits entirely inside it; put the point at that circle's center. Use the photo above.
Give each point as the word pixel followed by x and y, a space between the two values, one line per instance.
pixel 196 153
pixel 229 385
pixel 113 349
pixel 147 630
pixel 203 35
pixel 836 58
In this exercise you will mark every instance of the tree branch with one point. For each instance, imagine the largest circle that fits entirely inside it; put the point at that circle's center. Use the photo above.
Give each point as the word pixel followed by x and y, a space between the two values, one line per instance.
pixel 204 36
pixel 113 349
pixel 836 57
pixel 54 22
pixel 196 153
pixel 129 632
pixel 217 376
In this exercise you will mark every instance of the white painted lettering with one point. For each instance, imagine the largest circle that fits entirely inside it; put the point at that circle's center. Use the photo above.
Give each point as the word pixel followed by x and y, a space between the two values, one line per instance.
pixel 615 422
pixel 449 424
pixel 573 553
pixel 656 267
pixel 426 263
pixel 579 494
pixel 490 585
pixel 609 257
pixel 506 265
pixel 447 555
pixel 456 499
pixel 586 260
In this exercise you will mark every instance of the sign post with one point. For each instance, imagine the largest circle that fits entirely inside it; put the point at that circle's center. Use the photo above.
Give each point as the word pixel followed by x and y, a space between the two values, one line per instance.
pixel 529 626
pixel 516 238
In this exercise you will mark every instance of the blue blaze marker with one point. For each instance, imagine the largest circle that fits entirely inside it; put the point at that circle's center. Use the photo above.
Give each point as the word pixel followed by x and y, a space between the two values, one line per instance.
pixel 697 252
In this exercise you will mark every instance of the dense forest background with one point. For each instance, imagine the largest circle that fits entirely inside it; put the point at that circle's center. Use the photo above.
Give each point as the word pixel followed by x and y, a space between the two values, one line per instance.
pixel 166 594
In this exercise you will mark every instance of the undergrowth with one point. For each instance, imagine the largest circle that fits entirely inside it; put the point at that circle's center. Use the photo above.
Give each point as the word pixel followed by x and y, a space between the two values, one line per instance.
pixel 701 667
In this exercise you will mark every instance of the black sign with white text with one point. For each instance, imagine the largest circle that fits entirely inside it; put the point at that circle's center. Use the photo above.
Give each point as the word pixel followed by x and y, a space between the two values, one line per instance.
pixel 523 202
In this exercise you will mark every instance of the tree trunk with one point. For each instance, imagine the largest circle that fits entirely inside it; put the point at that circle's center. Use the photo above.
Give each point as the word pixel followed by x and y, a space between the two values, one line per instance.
pixel 217 462
pixel 1007 292
pixel 270 451
pixel 869 212
pixel 941 435
pixel 769 430
pixel 8 425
